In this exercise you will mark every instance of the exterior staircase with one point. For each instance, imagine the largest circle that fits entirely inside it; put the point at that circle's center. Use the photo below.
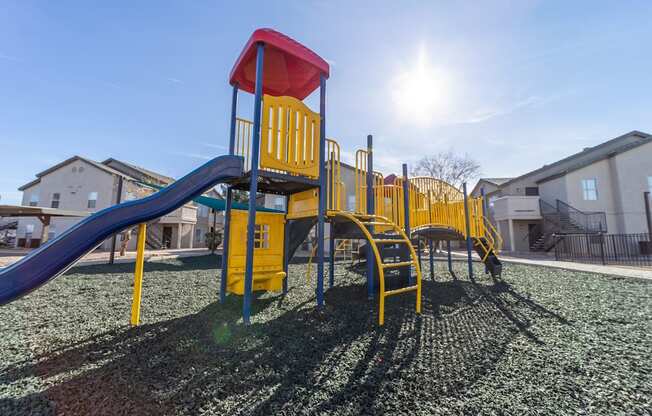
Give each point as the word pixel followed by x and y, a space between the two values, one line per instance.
pixel 563 219
pixel 154 240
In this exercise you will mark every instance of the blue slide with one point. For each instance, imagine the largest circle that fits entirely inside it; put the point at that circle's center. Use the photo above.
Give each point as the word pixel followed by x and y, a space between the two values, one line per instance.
pixel 59 254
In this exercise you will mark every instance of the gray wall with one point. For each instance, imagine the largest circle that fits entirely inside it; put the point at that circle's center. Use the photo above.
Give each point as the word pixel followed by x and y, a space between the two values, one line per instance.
pixel 73 182
pixel 633 169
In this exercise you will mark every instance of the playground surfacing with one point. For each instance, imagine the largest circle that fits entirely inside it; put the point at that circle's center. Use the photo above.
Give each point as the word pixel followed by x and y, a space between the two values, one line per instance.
pixel 544 342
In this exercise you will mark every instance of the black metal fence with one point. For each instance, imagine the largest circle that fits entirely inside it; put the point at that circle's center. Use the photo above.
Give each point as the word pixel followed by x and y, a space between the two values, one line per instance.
pixel 624 249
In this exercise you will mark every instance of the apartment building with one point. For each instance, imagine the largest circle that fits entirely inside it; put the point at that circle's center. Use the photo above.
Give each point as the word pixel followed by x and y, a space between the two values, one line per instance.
pixel 82 184
pixel 598 190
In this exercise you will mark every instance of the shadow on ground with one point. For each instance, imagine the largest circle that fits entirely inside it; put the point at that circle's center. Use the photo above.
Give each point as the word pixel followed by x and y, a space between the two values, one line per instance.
pixel 181 264
pixel 335 360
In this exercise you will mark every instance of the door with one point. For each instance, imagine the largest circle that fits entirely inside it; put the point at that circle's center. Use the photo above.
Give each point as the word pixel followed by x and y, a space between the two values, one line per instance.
pixel 532 234
pixel 167 237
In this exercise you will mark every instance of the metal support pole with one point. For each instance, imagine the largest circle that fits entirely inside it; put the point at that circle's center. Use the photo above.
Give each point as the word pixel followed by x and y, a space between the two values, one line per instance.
pixel 406 215
pixel 333 204
pixel 370 211
pixel 286 247
pixel 469 245
pixel 450 258
pixel 432 260
pixel 253 186
pixel 118 199
pixel 321 215
pixel 138 275
pixel 331 252
pixel 229 202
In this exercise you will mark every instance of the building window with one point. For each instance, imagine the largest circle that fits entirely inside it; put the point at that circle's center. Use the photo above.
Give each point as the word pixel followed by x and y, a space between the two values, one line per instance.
pixel 261 236
pixel 350 203
pixel 92 199
pixel 198 235
pixel 33 200
pixel 52 231
pixel 55 200
pixel 29 231
pixel 590 189
pixel 532 191
pixel 279 203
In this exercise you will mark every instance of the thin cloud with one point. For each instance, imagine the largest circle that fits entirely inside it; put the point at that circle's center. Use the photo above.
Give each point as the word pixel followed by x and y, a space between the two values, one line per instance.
pixel 214 146
pixel 192 155
pixel 174 80
pixel 9 57
pixel 485 115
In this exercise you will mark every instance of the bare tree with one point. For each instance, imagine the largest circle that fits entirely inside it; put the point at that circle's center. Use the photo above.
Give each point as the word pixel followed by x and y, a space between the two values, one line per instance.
pixel 449 167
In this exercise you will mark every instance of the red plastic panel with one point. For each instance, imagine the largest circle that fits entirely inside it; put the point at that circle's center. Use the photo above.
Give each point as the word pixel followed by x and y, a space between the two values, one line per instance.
pixel 289 68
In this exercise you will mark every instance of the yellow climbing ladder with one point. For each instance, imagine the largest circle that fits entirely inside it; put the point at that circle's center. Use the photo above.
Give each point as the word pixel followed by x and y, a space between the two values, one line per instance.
pixel 366 224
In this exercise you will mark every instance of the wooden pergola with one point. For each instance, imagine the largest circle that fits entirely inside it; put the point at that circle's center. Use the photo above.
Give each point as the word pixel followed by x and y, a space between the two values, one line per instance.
pixel 42 213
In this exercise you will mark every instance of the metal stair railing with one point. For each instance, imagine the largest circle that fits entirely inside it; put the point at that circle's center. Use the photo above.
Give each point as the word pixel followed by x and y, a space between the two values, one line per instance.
pixel 153 239
pixel 577 221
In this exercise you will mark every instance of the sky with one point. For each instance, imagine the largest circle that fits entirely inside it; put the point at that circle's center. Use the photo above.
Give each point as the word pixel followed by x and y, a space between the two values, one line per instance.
pixel 513 84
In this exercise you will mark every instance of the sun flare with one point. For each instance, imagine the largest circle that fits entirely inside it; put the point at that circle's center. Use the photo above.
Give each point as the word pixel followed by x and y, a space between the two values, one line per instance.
pixel 417 92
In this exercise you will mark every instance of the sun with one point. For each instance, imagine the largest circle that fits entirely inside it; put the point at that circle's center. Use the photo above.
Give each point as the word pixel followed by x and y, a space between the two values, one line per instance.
pixel 418 92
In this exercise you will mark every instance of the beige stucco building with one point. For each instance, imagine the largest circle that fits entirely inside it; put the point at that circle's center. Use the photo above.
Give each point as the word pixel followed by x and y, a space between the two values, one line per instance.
pixel 603 184
pixel 82 184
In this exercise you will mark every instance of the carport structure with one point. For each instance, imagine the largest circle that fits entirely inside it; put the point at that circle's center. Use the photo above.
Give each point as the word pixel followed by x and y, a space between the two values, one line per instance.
pixel 42 213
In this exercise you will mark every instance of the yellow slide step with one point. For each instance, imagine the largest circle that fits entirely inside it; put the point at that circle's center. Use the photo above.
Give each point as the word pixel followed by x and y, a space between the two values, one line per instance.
pixel 398 264
pixel 401 290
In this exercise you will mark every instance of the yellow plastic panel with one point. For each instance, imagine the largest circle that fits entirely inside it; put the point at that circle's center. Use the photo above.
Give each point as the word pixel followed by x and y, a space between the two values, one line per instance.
pixel 304 204
pixel 289 137
pixel 268 252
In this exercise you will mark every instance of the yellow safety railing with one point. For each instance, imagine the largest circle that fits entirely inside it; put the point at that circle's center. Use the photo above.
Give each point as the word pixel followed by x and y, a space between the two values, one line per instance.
pixel 243 132
pixel 289 139
pixel 335 186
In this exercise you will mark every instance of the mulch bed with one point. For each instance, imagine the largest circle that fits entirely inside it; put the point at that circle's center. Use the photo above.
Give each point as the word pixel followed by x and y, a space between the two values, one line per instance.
pixel 544 341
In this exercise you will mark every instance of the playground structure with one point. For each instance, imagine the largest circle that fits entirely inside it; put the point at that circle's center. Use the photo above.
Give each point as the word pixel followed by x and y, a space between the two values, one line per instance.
pixel 284 150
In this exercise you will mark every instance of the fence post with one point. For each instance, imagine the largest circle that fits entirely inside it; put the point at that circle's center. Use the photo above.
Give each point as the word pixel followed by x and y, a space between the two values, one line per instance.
pixel 602 248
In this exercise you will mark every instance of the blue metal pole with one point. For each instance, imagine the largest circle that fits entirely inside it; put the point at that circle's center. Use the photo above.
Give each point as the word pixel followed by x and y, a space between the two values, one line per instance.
pixel 253 186
pixel 469 245
pixel 332 195
pixel 229 201
pixel 331 252
pixel 450 258
pixel 370 211
pixel 321 215
pixel 432 259
pixel 484 213
pixel 431 251
pixel 406 209
pixel 286 246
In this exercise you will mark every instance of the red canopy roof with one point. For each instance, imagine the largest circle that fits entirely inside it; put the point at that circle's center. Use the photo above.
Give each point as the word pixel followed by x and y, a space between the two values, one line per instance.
pixel 289 67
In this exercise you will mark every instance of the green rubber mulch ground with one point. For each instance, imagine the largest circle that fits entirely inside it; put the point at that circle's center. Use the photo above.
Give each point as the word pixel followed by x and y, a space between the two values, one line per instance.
pixel 546 342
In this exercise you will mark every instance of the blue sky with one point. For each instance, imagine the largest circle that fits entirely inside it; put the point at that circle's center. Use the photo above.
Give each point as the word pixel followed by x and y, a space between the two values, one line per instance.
pixel 515 84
